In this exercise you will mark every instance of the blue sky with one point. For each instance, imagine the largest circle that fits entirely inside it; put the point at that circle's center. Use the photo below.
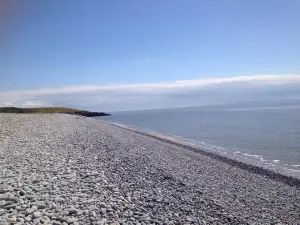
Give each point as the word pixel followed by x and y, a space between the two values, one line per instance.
pixel 61 44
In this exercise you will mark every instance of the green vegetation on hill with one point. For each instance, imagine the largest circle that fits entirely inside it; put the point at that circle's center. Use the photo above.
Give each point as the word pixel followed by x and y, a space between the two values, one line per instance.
pixel 51 110
pixel 38 110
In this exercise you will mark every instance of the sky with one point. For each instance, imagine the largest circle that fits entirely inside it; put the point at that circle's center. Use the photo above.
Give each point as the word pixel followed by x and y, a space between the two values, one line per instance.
pixel 137 54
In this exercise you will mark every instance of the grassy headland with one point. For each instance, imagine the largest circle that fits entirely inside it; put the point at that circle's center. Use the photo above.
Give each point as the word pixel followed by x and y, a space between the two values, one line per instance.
pixel 52 110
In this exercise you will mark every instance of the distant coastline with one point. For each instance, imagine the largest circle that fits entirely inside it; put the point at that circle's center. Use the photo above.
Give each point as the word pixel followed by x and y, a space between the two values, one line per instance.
pixel 47 110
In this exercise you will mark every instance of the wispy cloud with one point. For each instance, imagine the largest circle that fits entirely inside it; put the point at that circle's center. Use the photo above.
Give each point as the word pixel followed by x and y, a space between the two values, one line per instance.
pixel 157 95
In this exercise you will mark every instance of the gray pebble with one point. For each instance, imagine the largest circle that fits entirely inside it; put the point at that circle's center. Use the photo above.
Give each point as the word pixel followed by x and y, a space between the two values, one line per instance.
pixel 27 218
pixel 55 222
pixel 72 211
pixel 2 203
pixel 36 214
pixel 4 196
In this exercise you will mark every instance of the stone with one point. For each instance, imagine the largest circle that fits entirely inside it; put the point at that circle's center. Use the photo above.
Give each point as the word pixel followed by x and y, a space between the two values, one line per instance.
pixel 45 184
pixel 2 212
pixel 41 205
pixel 21 220
pixel 102 205
pixel 103 211
pixel 4 196
pixel 55 222
pixel 11 206
pixel 22 193
pixel 2 203
pixel 2 190
pixel 12 220
pixel 27 218
pixel 10 188
pixel 53 205
pixel 72 211
pixel 65 213
pixel 48 214
pixel 34 208
pixel 36 214
pixel 93 214
pixel 45 220
pixel 110 214
pixel 30 197
pixel 29 211
pixel 79 213
pixel 70 220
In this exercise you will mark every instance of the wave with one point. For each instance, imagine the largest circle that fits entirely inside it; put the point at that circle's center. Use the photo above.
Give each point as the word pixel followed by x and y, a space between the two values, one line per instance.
pixel 244 157
pixel 263 108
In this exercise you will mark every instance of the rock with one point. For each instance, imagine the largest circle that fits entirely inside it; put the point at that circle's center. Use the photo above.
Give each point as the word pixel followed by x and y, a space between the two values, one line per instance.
pixel 70 220
pixel 48 214
pixel 29 211
pixel 12 220
pixel 22 193
pixel 36 214
pixel 2 190
pixel 30 197
pixel 102 205
pixel 93 214
pixel 34 208
pixel 41 205
pixel 2 212
pixel 79 213
pixel 11 206
pixel 21 220
pixel 110 214
pixel 2 203
pixel 65 213
pixel 45 184
pixel 53 205
pixel 55 222
pixel 10 188
pixel 90 114
pixel 45 220
pixel 103 211
pixel 21 215
pixel 4 196
pixel 72 211
pixel 27 218
pixel 189 219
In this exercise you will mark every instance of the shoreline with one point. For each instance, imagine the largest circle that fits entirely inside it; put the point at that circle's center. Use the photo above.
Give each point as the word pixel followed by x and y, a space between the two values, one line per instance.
pixel 280 174
pixel 67 169
pixel 50 110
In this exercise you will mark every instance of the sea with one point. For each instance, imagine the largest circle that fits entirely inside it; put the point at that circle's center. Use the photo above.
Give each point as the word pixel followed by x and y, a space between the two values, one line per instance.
pixel 265 133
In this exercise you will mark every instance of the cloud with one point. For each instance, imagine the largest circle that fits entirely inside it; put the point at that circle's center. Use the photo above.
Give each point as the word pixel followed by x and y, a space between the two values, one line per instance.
pixel 7 104
pixel 159 95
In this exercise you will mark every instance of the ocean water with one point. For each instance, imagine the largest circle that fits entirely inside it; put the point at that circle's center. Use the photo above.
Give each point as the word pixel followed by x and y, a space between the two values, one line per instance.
pixel 268 133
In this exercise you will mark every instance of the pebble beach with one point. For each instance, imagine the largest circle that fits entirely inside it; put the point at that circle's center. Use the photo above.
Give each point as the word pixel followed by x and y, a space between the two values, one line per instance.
pixel 65 169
